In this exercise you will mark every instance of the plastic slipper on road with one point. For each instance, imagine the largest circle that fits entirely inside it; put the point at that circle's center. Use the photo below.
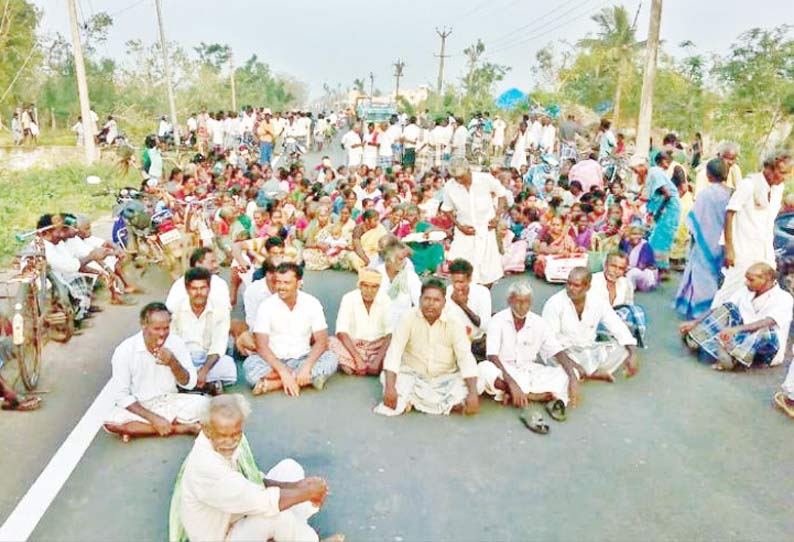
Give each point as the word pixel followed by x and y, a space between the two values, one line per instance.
pixel 25 404
pixel 783 404
pixel 534 422
pixel 556 410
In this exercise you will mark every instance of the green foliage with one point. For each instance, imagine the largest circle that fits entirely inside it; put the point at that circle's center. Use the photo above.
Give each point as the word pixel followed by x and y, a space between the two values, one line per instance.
pixel 24 196
pixel 19 55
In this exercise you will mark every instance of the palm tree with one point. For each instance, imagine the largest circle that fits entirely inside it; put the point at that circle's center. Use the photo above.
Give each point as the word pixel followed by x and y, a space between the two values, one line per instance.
pixel 616 42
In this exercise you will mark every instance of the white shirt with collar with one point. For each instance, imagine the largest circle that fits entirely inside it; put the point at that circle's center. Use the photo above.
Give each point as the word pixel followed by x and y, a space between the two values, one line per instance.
pixel 561 315
pixel 475 206
pixel 253 296
pixel 219 293
pixel 290 331
pixel 624 291
pixel 776 304
pixel 60 258
pixel 207 333
pixel 214 492
pixel 412 136
pixel 521 348
pixel 138 377
pixel 360 324
pixel 479 302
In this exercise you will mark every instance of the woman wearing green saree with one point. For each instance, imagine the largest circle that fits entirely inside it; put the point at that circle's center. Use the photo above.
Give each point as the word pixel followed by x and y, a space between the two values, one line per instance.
pixel 427 255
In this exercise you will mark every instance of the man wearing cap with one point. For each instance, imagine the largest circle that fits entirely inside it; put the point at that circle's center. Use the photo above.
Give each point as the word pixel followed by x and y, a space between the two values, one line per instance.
pixel 469 204
pixel 363 330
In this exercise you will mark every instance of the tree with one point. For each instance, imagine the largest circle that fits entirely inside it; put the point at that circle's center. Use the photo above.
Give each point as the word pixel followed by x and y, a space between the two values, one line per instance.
pixel 19 54
pixel 358 84
pixel 480 77
pixel 215 55
pixel 758 76
pixel 616 44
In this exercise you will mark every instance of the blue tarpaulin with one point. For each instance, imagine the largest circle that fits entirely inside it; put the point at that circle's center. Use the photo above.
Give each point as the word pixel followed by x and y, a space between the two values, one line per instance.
pixel 509 99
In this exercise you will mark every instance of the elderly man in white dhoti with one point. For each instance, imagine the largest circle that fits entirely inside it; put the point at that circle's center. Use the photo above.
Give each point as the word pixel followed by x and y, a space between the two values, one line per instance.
pixel 474 201
pixel 519 345
pixel 749 222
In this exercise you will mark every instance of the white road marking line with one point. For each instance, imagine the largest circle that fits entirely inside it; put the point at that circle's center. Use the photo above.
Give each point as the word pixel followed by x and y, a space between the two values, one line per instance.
pixel 29 511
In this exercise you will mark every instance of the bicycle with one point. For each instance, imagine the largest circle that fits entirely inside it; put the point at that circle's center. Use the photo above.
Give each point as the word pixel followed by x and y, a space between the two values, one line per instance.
pixel 42 311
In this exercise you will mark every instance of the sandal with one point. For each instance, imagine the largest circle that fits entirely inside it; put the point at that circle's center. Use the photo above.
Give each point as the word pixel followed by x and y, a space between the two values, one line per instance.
pixel 784 405
pixel 556 409
pixel 25 404
pixel 534 422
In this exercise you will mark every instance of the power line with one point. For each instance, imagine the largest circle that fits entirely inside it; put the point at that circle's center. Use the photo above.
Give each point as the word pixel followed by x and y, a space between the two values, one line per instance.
pixel 535 22
pixel 535 37
pixel 127 8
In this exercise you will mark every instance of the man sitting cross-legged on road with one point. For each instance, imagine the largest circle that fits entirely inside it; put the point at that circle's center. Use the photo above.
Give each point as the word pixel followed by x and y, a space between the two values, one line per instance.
pixel 363 327
pixel 750 328
pixel 291 339
pixel 429 365
pixel 574 315
pixel 219 290
pixel 470 303
pixel 516 338
pixel 147 368
pixel 204 326
pixel 220 493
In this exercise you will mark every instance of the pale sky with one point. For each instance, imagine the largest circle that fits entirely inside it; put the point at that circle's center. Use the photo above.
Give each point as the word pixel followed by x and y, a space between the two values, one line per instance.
pixel 335 41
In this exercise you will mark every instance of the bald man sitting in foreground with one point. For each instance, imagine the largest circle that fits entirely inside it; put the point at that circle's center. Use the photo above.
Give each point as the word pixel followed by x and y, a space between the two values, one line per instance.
pixel 751 328
pixel 220 494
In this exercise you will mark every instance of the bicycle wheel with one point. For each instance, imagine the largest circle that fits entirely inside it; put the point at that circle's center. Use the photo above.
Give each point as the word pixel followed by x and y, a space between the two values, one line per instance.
pixel 28 354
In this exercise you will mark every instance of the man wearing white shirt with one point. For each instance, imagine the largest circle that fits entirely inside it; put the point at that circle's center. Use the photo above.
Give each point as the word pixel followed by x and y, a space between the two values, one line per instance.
pixel 395 131
pixel 222 495
pixel 535 133
pixel 751 328
pixel 411 136
pixel 548 136
pixel 749 222
pixel 370 139
pixel 439 140
pixel 470 304
pixel 353 145
pixel 286 324
pixel 147 368
pixel 219 290
pixel 385 150
pixel 460 138
pixel 574 316
pixel 469 203
pixel 520 345
pixel 363 327
pixel 205 329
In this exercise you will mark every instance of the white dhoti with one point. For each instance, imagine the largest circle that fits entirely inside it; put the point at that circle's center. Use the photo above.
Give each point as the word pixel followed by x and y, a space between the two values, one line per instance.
pixel 601 357
pixel 534 378
pixel 180 407
pixel 482 251
pixel 436 395
pixel 224 370
pixel 289 525
pixel 354 158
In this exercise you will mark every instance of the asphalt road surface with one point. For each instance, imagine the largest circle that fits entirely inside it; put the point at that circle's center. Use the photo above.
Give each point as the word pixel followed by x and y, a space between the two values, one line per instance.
pixel 678 452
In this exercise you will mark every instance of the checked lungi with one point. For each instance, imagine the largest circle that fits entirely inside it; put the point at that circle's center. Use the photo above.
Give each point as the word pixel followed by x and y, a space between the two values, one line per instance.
pixel 759 347
pixel 635 319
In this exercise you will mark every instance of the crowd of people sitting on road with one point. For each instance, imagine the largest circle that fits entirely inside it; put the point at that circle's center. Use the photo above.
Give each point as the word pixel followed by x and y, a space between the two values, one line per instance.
pixel 428 233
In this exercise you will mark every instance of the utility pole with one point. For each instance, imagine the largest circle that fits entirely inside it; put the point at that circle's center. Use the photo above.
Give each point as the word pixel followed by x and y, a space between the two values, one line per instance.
pixel 82 87
pixel 234 89
pixel 371 85
pixel 443 34
pixel 398 72
pixel 646 100
pixel 167 67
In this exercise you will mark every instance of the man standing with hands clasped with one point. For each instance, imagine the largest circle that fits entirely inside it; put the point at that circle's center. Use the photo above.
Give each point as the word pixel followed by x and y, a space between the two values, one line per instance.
pixel 469 203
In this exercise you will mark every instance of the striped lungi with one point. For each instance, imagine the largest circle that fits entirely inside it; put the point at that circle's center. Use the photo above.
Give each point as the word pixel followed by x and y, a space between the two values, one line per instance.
pixel 568 152
pixel 749 347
